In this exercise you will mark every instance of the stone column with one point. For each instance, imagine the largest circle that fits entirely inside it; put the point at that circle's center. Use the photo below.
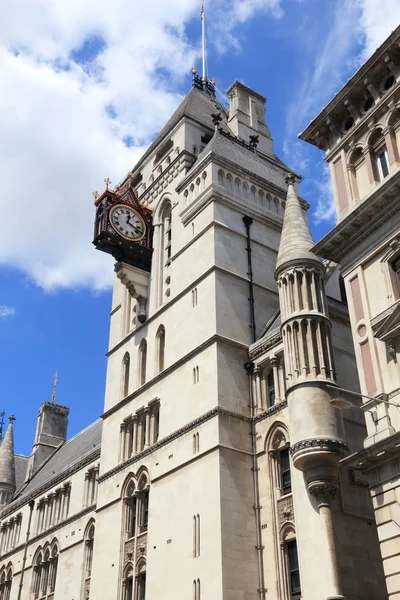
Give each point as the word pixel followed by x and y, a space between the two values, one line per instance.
pixel 147 425
pixel 368 161
pixel 122 447
pixel 391 146
pixel 274 364
pixel 258 400
pixel 324 492
pixel 135 435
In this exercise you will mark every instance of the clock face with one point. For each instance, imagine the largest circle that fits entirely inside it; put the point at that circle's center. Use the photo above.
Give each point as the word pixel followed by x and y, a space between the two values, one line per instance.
pixel 127 222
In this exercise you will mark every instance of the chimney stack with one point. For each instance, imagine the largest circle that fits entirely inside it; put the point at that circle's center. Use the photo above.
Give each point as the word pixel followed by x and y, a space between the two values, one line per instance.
pixel 51 431
pixel 247 116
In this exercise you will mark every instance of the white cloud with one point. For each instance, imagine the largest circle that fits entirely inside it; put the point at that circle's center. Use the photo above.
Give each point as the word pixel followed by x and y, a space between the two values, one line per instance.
pixel 58 137
pixel 296 155
pixel 6 311
pixel 378 19
pixel 325 209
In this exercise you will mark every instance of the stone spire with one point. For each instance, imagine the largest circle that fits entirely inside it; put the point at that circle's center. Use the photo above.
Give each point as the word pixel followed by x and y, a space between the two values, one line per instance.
pixel 316 428
pixel 296 240
pixel 7 466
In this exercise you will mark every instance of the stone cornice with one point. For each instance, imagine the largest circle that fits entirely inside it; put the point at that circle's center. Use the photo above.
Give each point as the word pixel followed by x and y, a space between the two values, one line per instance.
pixel 59 478
pixel 265 344
pixel 375 455
pixel 271 411
pixel 324 444
pixel 217 411
pixel 346 90
pixel 149 384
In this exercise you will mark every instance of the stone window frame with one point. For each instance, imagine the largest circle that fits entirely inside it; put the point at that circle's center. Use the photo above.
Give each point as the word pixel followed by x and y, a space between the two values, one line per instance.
pixel 44 572
pixel 392 281
pixel 142 362
pixel 135 494
pixel 88 552
pixel 53 508
pixel 10 533
pixel 278 441
pixel 287 536
pixel 160 349
pixel 163 246
pixel 6 577
pixel 140 430
pixel 125 375
pixel 274 364
pixel 90 485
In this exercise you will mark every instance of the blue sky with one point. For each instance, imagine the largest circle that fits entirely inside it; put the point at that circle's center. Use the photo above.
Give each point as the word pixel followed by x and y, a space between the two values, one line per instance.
pixel 85 89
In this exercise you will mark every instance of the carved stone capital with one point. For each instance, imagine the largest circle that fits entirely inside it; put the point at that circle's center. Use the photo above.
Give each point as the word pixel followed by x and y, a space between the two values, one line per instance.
pixel 323 491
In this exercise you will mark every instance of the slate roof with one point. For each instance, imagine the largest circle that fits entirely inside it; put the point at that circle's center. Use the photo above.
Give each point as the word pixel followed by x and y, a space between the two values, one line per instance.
pixel 228 148
pixel 198 105
pixel 21 464
pixel 67 455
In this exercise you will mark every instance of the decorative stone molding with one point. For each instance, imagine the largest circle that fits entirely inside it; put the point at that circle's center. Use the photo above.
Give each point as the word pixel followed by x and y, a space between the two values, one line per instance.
pixel 323 491
pixel 285 510
pixel 271 411
pixel 173 436
pixel 386 325
pixel 327 445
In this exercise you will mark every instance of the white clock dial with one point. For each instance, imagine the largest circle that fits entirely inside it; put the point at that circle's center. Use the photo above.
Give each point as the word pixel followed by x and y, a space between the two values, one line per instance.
pixel 127 222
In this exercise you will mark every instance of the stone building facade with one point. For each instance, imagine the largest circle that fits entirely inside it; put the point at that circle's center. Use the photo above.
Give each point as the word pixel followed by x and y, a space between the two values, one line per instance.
pixel 216 471
pixel 360 133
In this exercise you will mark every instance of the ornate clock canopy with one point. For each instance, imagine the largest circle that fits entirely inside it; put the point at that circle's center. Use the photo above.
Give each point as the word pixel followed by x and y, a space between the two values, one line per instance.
pixel 123 226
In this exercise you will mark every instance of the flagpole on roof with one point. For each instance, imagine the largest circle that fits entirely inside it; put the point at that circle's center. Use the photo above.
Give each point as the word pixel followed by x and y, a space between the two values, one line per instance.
pixel 203 42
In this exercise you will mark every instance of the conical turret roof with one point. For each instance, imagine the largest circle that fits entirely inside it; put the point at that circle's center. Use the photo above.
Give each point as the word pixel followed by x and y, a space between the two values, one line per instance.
pixel 7 462
pixel 296 239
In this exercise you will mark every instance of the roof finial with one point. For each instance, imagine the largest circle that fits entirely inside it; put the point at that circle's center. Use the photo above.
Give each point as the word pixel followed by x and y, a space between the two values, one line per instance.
pixel 53 396
pixel 203 43
pixel 11 418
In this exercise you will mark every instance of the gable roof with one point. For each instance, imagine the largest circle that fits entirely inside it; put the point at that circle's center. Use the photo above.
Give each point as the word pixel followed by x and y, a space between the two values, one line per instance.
pixel 63 458
pixel 197 105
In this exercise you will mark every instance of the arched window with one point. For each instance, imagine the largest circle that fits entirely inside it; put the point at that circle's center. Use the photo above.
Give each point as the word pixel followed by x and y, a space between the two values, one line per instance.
pixel 130 501
pixel 160 349
pixel 6 576
pixel 279 451
pixel 220 177
pixel 127 582
pixel 126 365
pixel 358 174
pixel 142 360
pixel 45 572
pixel 141 580
pixel 290 569
pixel 89 542
pixel 380 159
pixel 136 500
pixel 163 222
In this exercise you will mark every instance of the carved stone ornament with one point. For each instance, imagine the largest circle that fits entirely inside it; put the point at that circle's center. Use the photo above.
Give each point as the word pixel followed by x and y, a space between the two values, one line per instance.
pixel 323 491
pixel 335 446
